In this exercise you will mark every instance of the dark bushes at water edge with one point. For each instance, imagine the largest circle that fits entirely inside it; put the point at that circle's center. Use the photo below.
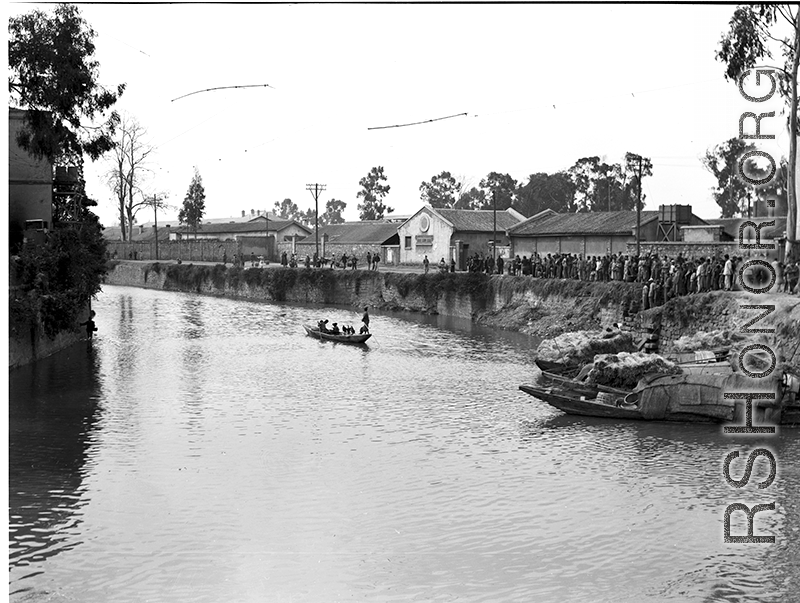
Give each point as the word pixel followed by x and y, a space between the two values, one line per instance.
pixel 56 281
pixel 188 277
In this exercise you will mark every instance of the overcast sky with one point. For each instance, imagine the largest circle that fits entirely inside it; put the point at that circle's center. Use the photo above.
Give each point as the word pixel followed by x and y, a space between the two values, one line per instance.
pixel 542 86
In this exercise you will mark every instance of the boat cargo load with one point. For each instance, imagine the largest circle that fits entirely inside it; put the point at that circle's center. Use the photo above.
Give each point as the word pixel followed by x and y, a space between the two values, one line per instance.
pixel 580 348
pixel 624 370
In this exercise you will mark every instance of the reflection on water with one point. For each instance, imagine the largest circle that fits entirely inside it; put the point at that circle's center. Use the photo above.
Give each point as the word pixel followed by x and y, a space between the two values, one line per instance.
pixel 205 449
pixel 49 438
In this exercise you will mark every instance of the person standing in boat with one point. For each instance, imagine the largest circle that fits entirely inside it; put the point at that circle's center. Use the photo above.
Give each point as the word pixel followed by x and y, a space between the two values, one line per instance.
pixel 365 318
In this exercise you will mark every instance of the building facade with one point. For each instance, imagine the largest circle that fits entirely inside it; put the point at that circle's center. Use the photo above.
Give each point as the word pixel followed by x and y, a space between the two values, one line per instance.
pixel 30 187
pixel 454 234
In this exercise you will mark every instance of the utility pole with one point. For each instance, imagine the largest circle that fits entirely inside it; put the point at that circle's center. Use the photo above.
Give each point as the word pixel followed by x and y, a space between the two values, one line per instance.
pixel 639 208
pixel 494 228
pixel 155 222
pixel 266 240
pixel 316 189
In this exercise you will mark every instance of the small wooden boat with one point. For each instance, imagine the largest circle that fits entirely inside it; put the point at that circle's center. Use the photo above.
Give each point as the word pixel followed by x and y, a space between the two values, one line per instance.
pixel 355 338
pixel 574 404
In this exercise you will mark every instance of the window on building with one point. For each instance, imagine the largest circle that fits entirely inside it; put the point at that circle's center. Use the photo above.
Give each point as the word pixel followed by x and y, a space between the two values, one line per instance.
pixel 408 242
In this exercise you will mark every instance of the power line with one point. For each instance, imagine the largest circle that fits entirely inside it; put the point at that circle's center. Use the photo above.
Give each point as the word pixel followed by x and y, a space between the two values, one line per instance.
pixel 129 46
pixel 222 88
pixel 416 123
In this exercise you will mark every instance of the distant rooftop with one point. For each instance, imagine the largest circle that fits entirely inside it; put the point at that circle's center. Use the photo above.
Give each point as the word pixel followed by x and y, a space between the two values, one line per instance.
pixel 603 223
pixel 479 220
pixel 246 216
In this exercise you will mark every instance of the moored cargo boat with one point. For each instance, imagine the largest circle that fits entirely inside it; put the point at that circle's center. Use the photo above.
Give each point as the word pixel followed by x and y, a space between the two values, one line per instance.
pixel 684 398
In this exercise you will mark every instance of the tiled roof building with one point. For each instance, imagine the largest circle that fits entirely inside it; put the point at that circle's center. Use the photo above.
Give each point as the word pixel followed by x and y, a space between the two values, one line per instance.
pixel 590 233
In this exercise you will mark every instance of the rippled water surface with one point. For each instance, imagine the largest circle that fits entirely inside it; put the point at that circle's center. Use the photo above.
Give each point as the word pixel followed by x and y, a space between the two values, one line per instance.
pixel 205 449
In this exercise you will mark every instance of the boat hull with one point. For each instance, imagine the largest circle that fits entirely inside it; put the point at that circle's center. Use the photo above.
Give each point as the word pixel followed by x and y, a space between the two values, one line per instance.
pixel 352 339
pixel 678 398
pixel 576 406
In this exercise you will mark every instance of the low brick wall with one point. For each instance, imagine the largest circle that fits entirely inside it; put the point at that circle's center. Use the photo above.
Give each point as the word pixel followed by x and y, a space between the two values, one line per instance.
pixel 187 250
pixel 691 250
pixel 688 250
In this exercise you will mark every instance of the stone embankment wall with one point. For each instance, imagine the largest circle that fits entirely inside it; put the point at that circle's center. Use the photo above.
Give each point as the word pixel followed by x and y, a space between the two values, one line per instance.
pixel 26 344
pixel 27 340
pixel 539 307
pixel 535 306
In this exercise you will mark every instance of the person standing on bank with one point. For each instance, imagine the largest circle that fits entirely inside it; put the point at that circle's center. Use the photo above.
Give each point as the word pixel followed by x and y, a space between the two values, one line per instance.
pixel 89 324
pixel 727 273
pixel 426 263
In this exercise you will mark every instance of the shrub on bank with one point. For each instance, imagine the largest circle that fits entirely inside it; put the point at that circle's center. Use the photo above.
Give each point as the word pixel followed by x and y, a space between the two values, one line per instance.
pixel 54 282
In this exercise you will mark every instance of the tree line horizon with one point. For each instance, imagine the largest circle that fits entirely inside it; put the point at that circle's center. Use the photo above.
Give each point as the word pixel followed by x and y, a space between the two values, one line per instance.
pixel 53 75
pixel 589 185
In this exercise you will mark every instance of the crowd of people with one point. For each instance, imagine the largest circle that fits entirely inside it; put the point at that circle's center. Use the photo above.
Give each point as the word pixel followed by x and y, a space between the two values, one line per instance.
pixel 662 277
pixel 343 262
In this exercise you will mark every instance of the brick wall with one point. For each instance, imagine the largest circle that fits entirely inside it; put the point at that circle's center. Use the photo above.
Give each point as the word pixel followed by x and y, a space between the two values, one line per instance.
pixel 689 250
pixel 187 250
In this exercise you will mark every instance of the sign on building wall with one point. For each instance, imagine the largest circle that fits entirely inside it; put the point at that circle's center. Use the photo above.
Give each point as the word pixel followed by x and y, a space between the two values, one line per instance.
pixel 424 240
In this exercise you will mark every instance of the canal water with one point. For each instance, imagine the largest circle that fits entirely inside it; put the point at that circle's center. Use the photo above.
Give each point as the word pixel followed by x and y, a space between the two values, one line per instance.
pixel 205 449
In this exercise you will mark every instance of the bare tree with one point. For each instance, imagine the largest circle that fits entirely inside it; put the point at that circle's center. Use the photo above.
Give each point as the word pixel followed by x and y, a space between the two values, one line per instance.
pixel 128 171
